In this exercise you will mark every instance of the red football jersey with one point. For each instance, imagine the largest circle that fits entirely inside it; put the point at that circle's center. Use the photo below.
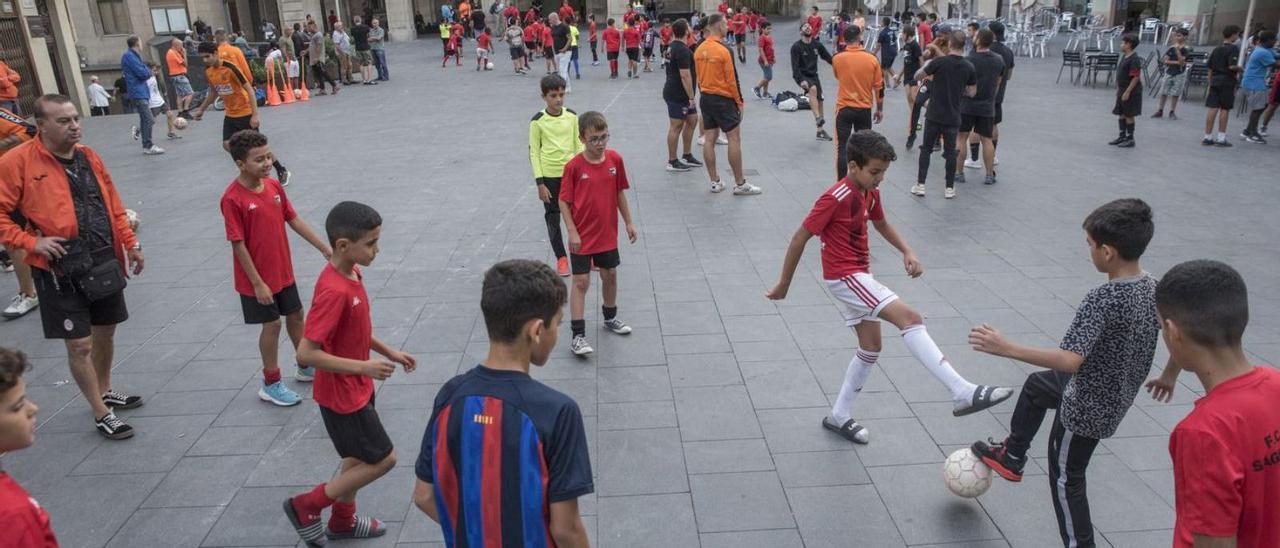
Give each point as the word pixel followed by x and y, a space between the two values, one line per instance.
pixel 666 34
pixel 839 218
pixel 612 38
pixel 483 41
pixel 339 322
pixel 26 524
pixel 766 49
pixel 258 219
pixel 815 24
pixel 591 32
pixel 591 190
pixel 632 37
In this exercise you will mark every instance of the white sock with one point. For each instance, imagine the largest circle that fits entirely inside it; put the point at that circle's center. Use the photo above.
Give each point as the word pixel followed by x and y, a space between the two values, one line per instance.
pixel 1208 136
pixel 1222 136
pixel 927 352
pixel 854 377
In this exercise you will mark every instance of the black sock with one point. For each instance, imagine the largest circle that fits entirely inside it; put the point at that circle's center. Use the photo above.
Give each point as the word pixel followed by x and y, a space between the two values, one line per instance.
pixel 610 312
pixel 1124 127
pixel 579 327
pixel 1132 125
pixel 995 143
pixel 973 151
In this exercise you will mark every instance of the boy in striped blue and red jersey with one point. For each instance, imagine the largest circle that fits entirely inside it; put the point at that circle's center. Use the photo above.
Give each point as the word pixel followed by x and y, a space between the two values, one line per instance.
pixel 504 457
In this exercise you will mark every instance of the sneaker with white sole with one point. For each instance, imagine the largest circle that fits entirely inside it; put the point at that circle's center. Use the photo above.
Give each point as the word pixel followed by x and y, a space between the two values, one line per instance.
pixel 153 151
pixel 949 193
pixel 279 394
pixel 918 189
pixel 973 164
pixel 995 160
pixel 21 305
pixel 690 161
pixel 746 189
pixel 677 165
pixel 113 427
pixel 717 187
pixel 722 140
pixel 959 178
pixel 579 346
pixel 303 374
pixel 702 140
pixel 618 326
pixel 120 400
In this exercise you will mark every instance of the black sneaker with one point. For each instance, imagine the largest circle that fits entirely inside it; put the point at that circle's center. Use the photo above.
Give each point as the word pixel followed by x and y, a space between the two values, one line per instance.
pixel 911 141
pixel 113 428
pixel 1206 142
pixel 117 400
pixel 689 160
pixel 994 455
pixel 1222 143
pixel 677 165
pixel 1127 143
pixel 1118 140
pixel 823 135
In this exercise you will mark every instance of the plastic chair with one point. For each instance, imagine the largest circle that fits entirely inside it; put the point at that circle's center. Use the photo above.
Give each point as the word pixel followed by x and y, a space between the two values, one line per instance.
pixel 1150 26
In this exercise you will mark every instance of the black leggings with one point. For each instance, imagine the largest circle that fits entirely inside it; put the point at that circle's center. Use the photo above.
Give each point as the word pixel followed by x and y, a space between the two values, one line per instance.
pixel 917 108
pixel 848 120
pixel 933 130
pixel 551 214
pixel 594 58
pixel 322 76
pixel 1069 454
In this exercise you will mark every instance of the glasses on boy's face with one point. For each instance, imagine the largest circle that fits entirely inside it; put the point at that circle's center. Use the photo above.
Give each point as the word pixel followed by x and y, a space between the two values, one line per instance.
pixel 599 139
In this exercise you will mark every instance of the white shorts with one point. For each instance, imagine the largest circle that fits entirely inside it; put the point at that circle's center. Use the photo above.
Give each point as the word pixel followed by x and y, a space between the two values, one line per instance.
pixel 861 297
pixel 293 69
pixel 482 53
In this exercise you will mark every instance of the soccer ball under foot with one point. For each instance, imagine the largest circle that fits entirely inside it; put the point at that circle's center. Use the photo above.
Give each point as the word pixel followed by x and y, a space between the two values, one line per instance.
pixel 965 474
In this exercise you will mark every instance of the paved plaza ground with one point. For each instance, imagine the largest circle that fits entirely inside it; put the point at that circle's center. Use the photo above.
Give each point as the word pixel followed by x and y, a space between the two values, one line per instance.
pixel 704 423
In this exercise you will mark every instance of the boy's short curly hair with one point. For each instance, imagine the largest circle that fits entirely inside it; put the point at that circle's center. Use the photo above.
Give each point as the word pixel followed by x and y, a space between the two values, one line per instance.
pixel 13 363
pixel 866 145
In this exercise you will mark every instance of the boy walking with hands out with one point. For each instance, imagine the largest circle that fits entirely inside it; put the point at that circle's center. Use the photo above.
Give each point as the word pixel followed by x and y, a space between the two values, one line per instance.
pixel 339 337
pixel 592 189
pixel 839 219
pixel 256 210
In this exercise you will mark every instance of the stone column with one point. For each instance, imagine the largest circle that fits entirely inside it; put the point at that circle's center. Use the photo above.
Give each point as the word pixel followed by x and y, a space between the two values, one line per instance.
pixel 400 20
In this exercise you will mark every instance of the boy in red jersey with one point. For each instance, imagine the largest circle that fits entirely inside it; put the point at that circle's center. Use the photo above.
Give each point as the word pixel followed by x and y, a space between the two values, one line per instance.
pixel 612 44
pixel 255 210
pixel 532 37
pixel 631 41
pixel 484 45
pixel 765 46
pixel 664 41
pixel 534 464
pixel 592 37
pixel 1226 452
pixel 548 48
pixel 26 524
pixel 739 25
pixel 453 48
pixel 594 187
pixel 338 341
pixel 840 218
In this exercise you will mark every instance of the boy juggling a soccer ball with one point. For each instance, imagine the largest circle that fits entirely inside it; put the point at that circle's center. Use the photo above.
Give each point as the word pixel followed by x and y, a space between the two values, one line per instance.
pixel 839 219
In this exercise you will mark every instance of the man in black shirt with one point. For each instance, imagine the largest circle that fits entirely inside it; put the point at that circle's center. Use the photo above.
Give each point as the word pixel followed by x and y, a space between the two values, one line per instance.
pixel 804 69
pixel 950 77
pixel 1128 90
pixel 912 54
pixel 1175 73
pixel 1224 71
pixel 360 38
pixel 1006 54
pixel 977 113
pixel 560 43
pixel 678 94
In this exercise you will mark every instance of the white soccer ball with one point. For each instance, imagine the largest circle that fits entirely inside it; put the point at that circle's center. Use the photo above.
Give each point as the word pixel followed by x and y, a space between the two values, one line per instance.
pixel 297 93
pixel 965 474
pixel 488 66
pixel 179 123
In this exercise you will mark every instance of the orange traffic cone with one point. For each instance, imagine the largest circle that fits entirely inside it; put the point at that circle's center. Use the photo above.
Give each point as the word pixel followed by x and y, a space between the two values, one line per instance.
pixel 273 95
pixel 288 86
pixel 303 79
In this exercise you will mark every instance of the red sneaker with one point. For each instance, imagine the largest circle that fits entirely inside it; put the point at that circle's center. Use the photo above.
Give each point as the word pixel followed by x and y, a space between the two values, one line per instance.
pixel 562 266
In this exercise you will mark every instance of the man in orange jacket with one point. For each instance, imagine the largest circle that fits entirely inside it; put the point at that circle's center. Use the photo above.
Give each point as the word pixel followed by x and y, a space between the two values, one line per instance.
pixel 9 79
pixel 66 195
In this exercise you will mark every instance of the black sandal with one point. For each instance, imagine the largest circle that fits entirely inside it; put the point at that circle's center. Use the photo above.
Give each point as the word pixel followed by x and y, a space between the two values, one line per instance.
pixel 983 397
pixel 848 431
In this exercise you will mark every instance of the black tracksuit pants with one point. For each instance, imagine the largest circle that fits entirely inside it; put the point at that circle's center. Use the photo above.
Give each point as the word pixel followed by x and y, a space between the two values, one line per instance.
pixel 1069 454
pixel 551 214
pixel 848 121
pixel 932 131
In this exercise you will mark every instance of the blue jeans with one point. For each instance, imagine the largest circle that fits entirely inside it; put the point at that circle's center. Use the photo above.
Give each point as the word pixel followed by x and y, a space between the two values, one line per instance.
pixel 145 120
pixel 380 62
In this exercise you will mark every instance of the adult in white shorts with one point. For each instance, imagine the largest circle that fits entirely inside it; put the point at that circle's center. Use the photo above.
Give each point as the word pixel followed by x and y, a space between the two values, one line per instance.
pixel 839 218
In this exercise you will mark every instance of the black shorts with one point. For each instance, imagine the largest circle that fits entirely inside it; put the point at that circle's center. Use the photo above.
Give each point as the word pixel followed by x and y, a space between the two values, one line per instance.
pixel 549 53
pixel 999 117
pixel 65 313
pixel 648 52
pixel 982 125
pixel 530 46
pixel 358 435
pixel 230 125
pixel 1132 107
pixel 679 110
pixel 611 55
pixel 286 302
pixel 517 52
pixel 719 112
pixel 633 54
pixel 813 83
pixel 1223 97
pixel 581 264
pixel 886 59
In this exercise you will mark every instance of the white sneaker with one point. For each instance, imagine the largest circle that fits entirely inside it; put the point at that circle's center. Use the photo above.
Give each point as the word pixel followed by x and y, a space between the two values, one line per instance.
pixel 702 140
pixel 579 346
pixel 995 160
pixel 973 164
pixel 133 130
pixel 717 187
pixel 949 193
pixel 917 189
pixel 618 326
pixel 746 189
pixel 20 306
pixel 154 150
pixel 722 140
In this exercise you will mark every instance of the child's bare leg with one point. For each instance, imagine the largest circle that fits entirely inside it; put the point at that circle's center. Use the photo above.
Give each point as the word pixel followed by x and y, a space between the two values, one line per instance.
pixel 989 155
pixel 269 345
pixel 578 297
pixel 609 287
pixel 293 325
pixel 355 475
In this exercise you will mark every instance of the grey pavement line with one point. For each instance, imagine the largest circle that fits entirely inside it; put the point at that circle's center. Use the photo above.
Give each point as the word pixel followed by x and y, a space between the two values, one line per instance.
pixel 137 348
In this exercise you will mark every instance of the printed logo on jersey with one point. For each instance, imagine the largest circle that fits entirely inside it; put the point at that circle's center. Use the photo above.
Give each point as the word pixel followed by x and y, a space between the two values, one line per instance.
pixel 222 89
pixel 355 301
pixel 252 206
pixel 613 171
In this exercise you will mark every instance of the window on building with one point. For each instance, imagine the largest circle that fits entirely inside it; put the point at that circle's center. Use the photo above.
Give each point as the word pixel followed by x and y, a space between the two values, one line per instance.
pixel 113 17
pixel 169 20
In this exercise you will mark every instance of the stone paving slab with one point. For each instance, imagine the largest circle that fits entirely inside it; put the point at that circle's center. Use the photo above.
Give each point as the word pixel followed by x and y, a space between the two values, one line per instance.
pixel 703 425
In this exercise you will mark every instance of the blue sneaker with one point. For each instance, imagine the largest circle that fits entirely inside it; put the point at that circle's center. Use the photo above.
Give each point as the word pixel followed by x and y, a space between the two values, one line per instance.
pixel 279 394
pixel 303 374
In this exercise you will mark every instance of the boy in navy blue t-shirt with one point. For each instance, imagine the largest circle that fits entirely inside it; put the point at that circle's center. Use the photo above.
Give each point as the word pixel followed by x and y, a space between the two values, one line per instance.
pixel 504 458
